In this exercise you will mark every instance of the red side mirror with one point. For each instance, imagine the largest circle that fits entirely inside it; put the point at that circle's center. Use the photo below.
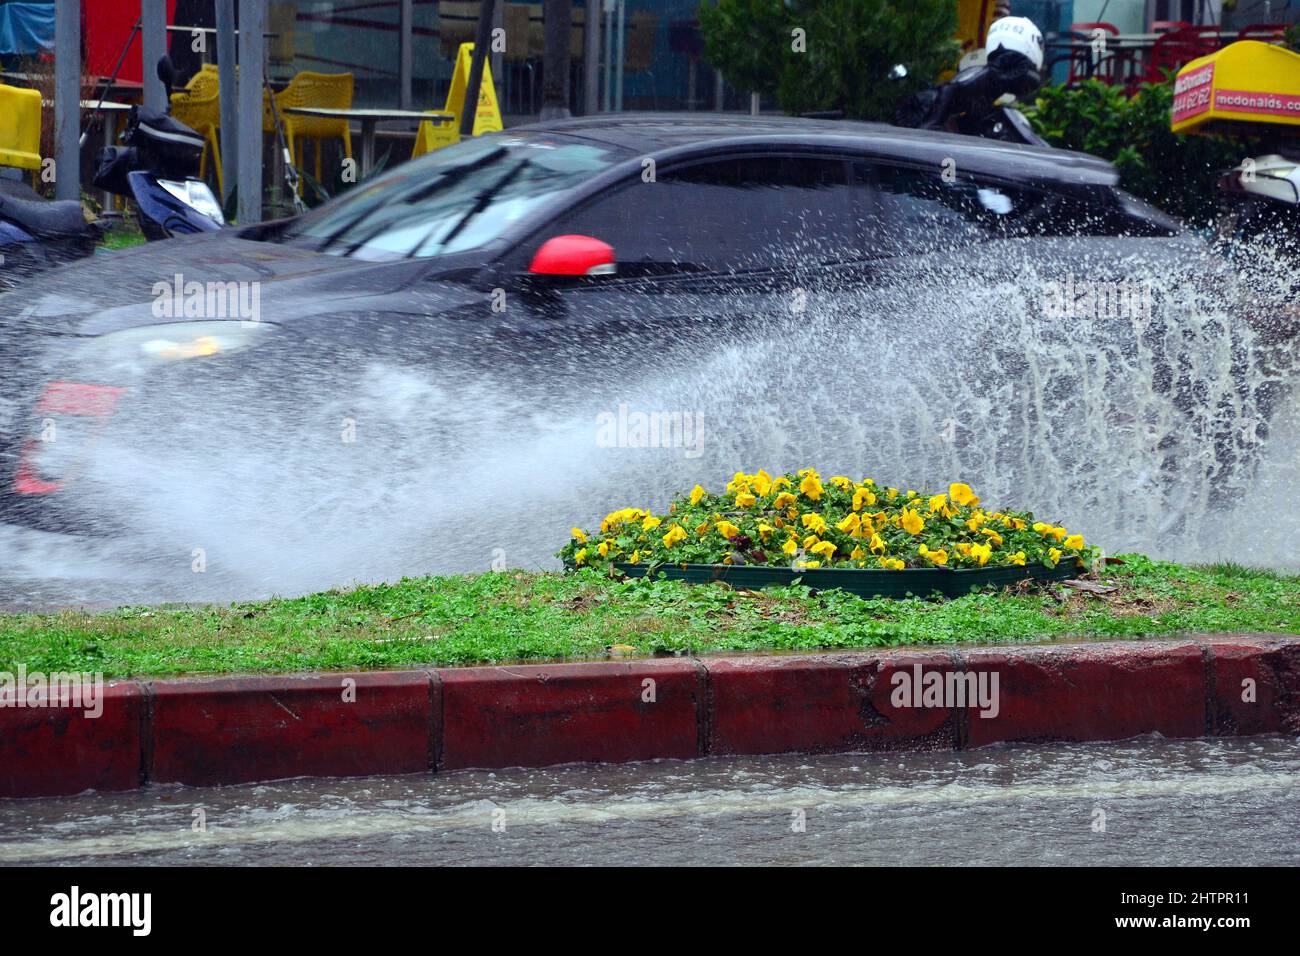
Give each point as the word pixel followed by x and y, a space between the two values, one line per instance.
pixel 574 256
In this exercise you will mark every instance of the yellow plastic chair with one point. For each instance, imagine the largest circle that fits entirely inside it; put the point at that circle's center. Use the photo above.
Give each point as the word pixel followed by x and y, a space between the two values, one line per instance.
pixel 321 90
pixel 20 128
pixel 199 108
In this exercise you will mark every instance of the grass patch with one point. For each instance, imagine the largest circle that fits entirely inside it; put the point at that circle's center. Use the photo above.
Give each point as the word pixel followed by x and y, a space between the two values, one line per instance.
pixel 519 615
pixel 123 235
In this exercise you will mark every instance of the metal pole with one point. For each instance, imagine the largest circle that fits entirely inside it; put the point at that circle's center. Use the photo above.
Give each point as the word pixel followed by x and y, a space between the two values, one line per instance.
pixel 498 58
pixel 153 44
pixel 226 60
pixel 591 58
pixel 608 6
pixel 482 40
pixel 404 56
pixel 618 67
pixel 252 24
pixel 67 99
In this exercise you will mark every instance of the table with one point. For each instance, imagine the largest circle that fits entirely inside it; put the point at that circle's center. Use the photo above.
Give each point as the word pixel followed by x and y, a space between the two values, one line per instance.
pixel 369 119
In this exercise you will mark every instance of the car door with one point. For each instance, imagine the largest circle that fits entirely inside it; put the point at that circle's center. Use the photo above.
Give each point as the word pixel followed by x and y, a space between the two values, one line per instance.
pixel 705 248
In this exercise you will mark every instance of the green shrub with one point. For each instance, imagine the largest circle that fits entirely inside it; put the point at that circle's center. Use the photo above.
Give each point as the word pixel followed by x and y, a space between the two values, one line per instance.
pixel 1173 171
pixel 850 46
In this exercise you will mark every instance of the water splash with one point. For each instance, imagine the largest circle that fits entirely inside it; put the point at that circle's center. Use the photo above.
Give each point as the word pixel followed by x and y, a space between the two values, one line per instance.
pixel 1171 432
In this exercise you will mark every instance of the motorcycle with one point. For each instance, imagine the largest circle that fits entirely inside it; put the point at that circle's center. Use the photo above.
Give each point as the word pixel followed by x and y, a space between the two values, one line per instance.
pixel 158 169
pixel 977 101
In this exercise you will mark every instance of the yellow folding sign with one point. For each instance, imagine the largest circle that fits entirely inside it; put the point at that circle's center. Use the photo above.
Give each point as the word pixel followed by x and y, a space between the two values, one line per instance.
pixel 1245 82
pixel 487 119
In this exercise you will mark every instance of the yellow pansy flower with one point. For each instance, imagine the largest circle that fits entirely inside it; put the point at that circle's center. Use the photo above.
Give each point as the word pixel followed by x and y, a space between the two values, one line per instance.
pixel 825 548
pixel 841 482
pixel 814 521
pixel 811 486
pixel 962 494
pixel 1017 558
pixel 938 503
pixel 697 493
pixel 1074 541
pixel 727 529
pixel 674 535
pixel 578 535
pixel 892 564
pixel 863 497
pixel 850 523
pixel 993 536
pixel 1053 556
pixel 765 531
pixel 807 564
pixel 784 500
pixel 603 548
pixel 857 554
pixel 981 553
pixel 939 556
pixel 790 547
pixel 580 556
pixel 635 558
pixel 745 500
pixel 877 544
pixel 651 523
pixel 762 483
pixel 911 521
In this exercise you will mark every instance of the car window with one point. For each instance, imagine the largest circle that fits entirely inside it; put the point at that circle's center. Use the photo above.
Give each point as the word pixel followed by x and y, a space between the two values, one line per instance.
pixel 921 210
pixel 455 199
pixel 733 214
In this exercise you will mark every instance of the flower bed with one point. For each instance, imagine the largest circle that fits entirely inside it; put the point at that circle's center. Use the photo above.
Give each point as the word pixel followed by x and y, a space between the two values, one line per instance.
pixel 856 535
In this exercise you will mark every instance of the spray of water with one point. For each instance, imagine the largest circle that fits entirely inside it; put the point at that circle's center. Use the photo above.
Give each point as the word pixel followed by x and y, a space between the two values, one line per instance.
pixel 1172 431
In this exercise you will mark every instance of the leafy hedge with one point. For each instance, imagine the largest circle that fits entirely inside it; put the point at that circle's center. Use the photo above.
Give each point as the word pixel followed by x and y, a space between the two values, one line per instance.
pixel 1173 171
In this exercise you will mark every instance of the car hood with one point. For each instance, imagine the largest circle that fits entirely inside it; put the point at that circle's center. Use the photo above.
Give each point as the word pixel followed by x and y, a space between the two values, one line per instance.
pixel 108 293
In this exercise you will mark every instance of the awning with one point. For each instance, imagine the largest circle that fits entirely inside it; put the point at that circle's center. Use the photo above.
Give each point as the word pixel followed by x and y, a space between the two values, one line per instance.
pixel 1245 82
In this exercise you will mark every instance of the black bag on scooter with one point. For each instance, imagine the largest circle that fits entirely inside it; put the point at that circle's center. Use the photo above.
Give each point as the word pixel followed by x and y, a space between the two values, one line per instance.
pixel 166 146
pixel 112 163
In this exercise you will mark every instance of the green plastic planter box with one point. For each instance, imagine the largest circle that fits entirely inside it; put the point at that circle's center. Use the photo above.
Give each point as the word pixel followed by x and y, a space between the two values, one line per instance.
pixel 909 582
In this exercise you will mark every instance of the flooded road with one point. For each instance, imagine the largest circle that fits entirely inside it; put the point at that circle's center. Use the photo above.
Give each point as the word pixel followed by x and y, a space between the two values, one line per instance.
pixel 1140 802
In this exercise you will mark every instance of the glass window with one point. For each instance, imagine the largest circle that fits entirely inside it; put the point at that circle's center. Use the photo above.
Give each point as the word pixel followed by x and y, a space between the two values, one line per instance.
pixel 454 199
pixel 728 215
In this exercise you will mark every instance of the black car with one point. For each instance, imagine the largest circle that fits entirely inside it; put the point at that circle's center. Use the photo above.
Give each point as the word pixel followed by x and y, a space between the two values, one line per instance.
pixel 549 258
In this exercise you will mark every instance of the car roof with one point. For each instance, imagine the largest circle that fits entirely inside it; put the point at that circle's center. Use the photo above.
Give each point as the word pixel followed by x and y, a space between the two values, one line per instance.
pixel 689 132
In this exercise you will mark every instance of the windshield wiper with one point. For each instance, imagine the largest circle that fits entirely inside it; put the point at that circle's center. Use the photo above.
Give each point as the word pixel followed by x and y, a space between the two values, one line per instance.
pixel 481 202
pixel 447 178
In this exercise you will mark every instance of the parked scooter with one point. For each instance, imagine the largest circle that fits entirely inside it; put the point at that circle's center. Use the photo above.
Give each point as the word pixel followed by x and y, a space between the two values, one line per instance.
pixel 38 233
pixel 977 101
pixel 158 168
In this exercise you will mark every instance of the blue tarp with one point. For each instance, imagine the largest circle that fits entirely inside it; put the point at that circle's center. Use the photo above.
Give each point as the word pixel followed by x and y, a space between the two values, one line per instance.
pixel 26 28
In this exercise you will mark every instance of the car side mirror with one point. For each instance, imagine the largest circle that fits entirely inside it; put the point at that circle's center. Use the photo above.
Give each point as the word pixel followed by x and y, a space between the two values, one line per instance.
pixel 573 256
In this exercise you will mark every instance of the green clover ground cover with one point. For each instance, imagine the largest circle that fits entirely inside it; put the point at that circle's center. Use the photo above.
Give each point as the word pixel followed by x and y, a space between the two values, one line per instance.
pixel 517 615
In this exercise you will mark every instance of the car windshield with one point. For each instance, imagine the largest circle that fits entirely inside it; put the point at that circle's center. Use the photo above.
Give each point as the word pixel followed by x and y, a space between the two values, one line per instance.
pixel 455 199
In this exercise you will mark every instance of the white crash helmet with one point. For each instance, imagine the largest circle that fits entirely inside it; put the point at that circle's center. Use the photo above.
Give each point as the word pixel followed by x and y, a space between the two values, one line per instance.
pixel 1019 35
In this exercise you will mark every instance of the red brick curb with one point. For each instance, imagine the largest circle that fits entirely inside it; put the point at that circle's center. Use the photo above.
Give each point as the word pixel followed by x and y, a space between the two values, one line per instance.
pixel 233 730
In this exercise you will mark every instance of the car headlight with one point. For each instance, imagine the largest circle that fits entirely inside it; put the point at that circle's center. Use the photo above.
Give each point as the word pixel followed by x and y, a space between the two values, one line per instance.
pixel 194 193
pixel 134 350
